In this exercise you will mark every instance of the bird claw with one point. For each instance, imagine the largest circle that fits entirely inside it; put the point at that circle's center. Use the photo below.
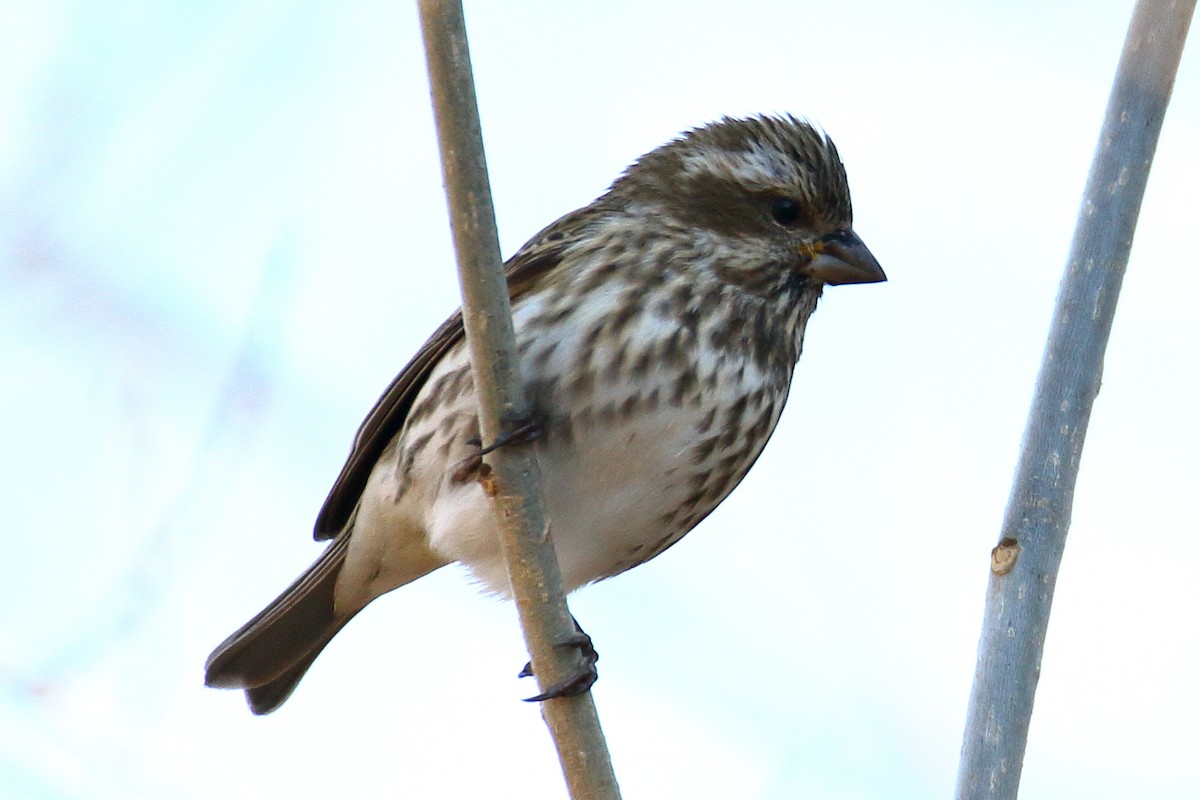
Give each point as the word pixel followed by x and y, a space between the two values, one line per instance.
pixel 526 431
pixel 579 681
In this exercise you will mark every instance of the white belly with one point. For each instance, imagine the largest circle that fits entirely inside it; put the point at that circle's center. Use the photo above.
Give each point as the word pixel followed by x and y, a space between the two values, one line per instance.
pixel 631 458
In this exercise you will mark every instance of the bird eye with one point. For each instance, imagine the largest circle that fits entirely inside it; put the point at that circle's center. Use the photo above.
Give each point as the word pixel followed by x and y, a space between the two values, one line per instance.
pixel 785 211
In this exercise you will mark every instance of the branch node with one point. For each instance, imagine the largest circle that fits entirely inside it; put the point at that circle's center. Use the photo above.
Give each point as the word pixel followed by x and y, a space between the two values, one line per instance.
pixel 1004 556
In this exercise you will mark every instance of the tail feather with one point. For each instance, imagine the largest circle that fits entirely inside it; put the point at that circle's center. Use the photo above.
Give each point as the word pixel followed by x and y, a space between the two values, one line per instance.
pixel 270 654
pixel 270 696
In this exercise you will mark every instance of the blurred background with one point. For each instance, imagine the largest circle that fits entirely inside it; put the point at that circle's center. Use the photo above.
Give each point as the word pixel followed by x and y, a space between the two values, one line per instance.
pixel 222 231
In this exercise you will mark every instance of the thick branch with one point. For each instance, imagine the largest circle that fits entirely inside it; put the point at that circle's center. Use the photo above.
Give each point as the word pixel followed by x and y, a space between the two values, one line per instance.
pixel 515 478
pixel 1025 563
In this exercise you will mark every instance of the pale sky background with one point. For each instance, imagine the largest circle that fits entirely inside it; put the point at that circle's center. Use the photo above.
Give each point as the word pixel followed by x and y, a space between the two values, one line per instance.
pixel 222 231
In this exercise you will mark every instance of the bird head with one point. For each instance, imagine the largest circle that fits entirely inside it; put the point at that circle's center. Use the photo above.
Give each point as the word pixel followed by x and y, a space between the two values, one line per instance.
pixel 768 194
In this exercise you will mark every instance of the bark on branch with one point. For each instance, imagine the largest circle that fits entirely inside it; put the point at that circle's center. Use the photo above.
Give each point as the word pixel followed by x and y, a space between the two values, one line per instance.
pixel 515 479
pixel 1025 563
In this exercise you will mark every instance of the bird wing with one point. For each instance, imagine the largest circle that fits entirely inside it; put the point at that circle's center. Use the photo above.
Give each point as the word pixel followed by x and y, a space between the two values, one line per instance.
pixel 537 258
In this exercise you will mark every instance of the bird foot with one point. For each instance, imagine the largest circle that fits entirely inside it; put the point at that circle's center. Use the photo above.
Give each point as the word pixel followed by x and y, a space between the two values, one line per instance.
pixel 580 680
pixel 525 431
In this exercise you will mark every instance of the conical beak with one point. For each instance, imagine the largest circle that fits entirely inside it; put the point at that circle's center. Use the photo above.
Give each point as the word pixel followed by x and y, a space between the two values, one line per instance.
pixel 843 258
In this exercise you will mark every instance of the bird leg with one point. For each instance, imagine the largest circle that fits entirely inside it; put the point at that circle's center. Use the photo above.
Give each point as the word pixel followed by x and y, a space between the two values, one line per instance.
pixel 581 679
pixel 522 431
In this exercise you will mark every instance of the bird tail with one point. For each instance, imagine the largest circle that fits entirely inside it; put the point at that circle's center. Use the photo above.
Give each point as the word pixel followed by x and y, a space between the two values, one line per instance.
pixel 269 655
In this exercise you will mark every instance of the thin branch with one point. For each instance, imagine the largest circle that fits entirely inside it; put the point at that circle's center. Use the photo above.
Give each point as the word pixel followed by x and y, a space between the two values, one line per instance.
pixel 1025 562
pixel 515 480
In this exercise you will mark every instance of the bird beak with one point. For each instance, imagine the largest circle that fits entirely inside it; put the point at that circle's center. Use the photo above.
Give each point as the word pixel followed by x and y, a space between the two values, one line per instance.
pixel 843 258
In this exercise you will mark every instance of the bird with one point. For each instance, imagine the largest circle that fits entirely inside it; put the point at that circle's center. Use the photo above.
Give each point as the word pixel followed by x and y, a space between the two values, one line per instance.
pixel 657 332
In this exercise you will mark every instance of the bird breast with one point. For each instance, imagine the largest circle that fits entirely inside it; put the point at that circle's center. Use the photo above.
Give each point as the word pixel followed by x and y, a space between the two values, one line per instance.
pixel 650 417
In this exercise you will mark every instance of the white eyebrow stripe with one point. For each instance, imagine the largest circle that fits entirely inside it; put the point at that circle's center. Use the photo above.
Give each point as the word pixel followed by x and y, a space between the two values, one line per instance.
pixel 762 166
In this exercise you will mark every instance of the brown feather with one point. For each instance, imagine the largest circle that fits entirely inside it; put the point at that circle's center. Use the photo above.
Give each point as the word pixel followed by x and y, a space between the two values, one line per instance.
pixel 536 259
pixel 291 630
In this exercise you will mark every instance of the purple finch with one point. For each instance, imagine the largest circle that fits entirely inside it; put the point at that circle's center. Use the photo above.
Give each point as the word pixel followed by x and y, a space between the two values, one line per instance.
pixel 658 328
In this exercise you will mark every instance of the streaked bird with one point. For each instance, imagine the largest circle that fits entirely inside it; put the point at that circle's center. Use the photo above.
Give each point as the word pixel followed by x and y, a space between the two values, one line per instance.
pixel 658 329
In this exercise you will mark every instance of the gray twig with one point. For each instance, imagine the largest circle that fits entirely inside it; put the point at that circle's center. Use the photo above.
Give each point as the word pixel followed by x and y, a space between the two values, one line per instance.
pixel 515 480
pixel 1025 562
